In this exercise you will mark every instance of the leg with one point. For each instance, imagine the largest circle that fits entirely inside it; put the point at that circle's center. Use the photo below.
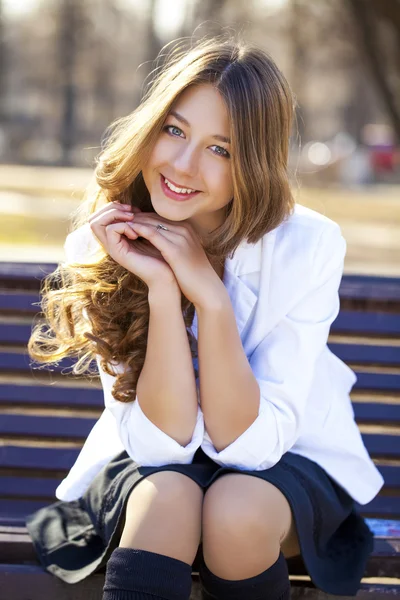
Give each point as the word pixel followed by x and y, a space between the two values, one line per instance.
pixel 159 541
pixel 163 515
pixel 246 523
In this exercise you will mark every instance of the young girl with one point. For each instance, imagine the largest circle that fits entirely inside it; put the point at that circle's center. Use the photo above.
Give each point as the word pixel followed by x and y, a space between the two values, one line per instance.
pixel 206 296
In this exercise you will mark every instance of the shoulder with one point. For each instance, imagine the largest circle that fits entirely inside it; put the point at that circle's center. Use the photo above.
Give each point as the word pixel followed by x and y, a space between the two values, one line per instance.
pixel 308 235
pixel 302 253
pixel 307 222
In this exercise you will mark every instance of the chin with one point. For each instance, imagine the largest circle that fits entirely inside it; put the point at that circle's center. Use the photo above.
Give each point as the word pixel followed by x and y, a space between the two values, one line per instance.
pixel 162 208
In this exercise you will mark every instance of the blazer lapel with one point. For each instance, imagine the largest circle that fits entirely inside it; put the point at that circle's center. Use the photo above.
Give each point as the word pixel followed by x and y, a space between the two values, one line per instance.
pixel 247 259
pixel 244 291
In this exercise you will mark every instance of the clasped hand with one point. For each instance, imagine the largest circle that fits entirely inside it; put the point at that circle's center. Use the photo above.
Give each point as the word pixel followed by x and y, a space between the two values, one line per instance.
pixel 173 257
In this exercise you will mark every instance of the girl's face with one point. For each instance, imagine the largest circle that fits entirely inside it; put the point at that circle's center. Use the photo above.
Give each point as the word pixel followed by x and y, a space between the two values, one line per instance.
pixel 193 152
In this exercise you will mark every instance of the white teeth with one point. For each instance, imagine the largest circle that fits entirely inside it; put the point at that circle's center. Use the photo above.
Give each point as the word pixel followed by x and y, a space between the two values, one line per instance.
pixel 176 189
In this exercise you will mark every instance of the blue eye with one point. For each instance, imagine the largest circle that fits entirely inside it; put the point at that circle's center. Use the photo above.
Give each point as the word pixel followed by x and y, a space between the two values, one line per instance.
pixel 225 153
pixel 172 127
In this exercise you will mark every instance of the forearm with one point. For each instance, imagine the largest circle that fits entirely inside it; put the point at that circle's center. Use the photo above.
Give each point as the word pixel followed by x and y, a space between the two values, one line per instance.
pixel 229 392
pixel 166 387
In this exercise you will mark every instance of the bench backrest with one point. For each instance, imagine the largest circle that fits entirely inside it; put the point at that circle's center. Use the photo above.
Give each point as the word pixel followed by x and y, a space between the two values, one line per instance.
pixel 47 415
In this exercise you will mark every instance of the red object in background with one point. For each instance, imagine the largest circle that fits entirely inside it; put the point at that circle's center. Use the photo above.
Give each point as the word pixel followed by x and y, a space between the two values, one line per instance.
pixel 383 159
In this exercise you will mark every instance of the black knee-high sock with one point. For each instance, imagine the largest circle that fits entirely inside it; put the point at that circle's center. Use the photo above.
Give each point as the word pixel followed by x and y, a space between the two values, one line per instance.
pixel 272 584
pixel 134 574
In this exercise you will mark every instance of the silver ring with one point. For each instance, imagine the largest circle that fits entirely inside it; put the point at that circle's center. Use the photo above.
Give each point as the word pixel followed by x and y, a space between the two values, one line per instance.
pixel 162 227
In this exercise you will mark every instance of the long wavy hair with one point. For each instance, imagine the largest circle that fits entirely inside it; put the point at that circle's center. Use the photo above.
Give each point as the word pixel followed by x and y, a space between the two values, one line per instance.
pixel 98 309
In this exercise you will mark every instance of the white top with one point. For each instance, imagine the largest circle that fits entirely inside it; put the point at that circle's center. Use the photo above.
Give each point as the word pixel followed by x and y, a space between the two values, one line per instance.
pixel 284 292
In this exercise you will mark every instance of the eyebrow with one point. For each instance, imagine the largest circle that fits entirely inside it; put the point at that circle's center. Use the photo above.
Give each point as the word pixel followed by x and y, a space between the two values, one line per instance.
pixel 182 119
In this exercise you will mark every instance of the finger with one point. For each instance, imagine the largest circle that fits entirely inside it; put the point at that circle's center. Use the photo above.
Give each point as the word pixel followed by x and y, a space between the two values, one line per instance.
pixel 98 224
pixel 151 233
pixel 128 207
pixel 114 231
pixel 104 209
pixel 149 220
pixel 111 217
pixel 115 206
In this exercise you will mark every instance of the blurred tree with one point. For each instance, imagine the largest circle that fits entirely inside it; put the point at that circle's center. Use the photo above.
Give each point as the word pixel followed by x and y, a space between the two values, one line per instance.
pixel 2 66
pixel 153 45
pixel 72 67
pixel 378 33
pixel 299 61
pixel 103 33
pixel 69 14
pixel 208 10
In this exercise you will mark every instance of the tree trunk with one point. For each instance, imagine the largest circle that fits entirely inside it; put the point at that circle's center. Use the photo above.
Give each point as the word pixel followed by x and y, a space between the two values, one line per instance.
pixel 366 15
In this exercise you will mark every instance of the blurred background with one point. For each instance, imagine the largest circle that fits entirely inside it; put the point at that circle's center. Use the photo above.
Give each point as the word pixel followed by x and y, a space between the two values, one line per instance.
pixel 68 68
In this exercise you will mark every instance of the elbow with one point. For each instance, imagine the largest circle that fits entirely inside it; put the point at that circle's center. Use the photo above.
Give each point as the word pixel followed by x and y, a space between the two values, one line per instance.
pixel 180 433
pixel 226 433
pixel 149 445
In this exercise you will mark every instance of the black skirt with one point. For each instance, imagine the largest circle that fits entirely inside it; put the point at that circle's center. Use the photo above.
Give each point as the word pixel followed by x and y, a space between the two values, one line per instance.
pixel 75 539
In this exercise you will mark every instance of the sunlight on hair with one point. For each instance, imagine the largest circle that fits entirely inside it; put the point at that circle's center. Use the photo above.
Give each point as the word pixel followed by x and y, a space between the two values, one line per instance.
pixel 99 309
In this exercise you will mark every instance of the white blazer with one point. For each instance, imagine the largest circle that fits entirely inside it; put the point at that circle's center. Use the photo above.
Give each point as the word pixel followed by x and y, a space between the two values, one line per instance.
pixel 284 292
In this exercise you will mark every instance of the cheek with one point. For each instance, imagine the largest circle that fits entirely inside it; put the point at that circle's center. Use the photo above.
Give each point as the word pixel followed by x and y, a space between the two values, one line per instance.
pixel 153 164
pixel 161 153
pixel 155 159
pixel 221 182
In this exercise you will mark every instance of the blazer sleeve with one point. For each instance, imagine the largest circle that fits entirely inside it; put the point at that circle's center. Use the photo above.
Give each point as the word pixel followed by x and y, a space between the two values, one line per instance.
pixel 143 441
pixel 284 363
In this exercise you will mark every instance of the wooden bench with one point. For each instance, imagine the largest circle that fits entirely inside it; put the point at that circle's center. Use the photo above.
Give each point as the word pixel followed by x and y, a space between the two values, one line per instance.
pixel 46 416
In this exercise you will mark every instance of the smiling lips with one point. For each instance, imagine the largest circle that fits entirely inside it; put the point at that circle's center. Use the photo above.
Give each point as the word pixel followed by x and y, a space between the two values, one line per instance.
pixel 180 187
pixel 176 195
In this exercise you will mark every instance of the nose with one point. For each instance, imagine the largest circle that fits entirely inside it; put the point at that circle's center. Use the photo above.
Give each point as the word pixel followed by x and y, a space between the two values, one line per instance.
pixel 185 164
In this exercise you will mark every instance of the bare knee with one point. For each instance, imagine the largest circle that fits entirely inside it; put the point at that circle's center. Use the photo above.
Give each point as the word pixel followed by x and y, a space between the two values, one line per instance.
pixel 245 520
pixel 163 515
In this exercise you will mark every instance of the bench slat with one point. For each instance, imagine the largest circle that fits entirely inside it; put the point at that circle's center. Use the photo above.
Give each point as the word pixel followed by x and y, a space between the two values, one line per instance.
pixel 365 354
pixel 20 578
pixel 38 426
pixel 21 363
pixel 367 322
pixel 20 271
pixel 52 395
pixel 352 286
pixel 13 333
pixel 377 381
pixel 19 334
pixel 43 487
pixel 14 512
pixel 29 487
pixel 377 413
pixel 381 446
pixel 16 361
pixel 17 579
pixel 86 398
pixel 384 323
pixel 391 475
pixel 80 427
pixel 370 287
pixel 11 301
pixel 54 459
pixel 381 506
